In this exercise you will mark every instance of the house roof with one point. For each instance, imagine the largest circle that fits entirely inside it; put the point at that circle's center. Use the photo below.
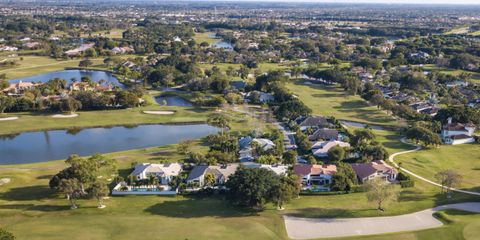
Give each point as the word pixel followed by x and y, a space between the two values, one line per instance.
pixel 225 170
pixel 459 137
pixel 364 170
pixel 277 169
pixel 196 172
pixel 324 134
pixel 167 169
pixel 264 143
pixel 306 169
pixel 457 127
pixel 322 147
pixel 314 121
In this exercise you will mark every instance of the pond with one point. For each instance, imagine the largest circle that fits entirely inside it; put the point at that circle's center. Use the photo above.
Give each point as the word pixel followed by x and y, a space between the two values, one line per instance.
pixel 59 144
pixel 225 45
pixel 69 74
pixel 173 101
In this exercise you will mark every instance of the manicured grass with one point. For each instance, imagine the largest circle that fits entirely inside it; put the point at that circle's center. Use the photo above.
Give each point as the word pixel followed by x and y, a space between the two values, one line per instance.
pixel 430 67
pixel 465 159
pixel 112 33
pixel 205 37
pixel 34 65
pixel 35 122
pixel 333 101
pixel 459 30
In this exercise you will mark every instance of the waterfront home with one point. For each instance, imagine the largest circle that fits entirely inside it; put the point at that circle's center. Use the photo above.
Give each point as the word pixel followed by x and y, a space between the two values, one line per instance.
pixel 457 133
pixel 315 176
pixel 164 172
pixel 320 148
pixel 17 88
pixel 221 173
pixel 374 169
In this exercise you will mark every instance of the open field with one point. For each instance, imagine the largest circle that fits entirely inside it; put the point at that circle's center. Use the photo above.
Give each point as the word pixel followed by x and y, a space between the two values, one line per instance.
pixel 205 37
pixel 333 101
pixel 465 159
pixel 33 65
pixel 112 33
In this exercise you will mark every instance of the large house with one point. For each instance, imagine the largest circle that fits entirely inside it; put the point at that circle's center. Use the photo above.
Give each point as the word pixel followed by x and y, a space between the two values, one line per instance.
pixel 313 122
pixel 220 173
pixel 164 172
pixel 374 169
pixel 78 51
pixel 314 176
pixel 320 148
pixel 247 152
pixel 19 87
pixel 457 133
pixel 324 134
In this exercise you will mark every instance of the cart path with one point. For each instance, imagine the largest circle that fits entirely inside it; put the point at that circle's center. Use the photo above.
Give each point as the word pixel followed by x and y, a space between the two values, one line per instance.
pixel 308 228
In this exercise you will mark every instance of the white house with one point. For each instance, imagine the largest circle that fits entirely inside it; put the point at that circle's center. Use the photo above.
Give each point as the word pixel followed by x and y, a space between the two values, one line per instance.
pixel 164 172
pixel 320 148
pixel 221 173
pixel 457 133
pixel 277 168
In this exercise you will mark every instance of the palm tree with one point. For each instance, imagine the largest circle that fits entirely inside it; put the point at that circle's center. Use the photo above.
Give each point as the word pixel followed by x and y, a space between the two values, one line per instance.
pixel 209 179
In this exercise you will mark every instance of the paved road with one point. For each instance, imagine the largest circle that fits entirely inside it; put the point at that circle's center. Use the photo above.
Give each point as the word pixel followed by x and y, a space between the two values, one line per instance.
pixel 308 228
pixel 392 158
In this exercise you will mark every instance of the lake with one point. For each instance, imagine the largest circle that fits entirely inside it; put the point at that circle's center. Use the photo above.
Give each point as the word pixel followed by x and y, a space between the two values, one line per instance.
pixel 173 101
pixel 44 146
pixel 69 74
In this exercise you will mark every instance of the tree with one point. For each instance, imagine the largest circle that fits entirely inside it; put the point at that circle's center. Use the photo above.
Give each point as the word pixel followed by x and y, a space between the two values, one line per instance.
pixel 85 63
pixel 423 135
pixel 126 99
pixel 5 103
pixel 4 235
pixel 288 189
pixel 72 190
pixel 218 120
pixel 267 159
pixel 252 187
pixel 380 192
pixel 209 179
pixel 336 154
pixel 290 157
pixel 185 147
pixel 70 105
pixel 448 179
pixel 99 190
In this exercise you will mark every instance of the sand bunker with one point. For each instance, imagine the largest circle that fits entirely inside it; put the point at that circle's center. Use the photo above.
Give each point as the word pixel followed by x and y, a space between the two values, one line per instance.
pixel 8 119
pixel 65 116
pixel 159 112
pixel 4 181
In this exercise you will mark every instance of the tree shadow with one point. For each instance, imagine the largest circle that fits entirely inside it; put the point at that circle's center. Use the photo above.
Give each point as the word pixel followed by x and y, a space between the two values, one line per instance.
pixel 198 207
pixel 27 193
pixel 45 177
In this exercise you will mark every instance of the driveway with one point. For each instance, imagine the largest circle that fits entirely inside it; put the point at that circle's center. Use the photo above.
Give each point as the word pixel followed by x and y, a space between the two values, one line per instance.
pixel 308 228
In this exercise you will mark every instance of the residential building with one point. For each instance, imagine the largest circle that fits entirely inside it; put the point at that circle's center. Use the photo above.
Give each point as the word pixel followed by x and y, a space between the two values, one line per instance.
pixel 320 148
pixel 457 133
pixel 164 172
pixel 324 134
pixel 315 176
pixel 313 122
pixel 374 169
pixel 221 173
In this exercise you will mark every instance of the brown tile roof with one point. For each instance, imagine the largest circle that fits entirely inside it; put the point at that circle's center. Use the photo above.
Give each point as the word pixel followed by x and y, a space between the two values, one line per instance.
pixel 302 169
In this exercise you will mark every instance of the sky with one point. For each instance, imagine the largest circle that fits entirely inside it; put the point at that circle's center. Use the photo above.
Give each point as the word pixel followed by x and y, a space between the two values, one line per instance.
pixel 384 1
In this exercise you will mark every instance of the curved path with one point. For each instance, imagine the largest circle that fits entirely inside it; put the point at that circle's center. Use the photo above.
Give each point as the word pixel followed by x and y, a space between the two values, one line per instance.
pixel 308 228
pixel 418 147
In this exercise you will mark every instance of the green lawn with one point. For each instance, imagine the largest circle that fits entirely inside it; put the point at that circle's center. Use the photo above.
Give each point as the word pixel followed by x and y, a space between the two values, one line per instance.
pixel 204 37
pixel 33 65
pixel 115 33
pixel 333 101
pixel 465 159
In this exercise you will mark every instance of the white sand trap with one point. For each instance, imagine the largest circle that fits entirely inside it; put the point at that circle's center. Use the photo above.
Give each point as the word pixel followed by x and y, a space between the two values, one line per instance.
pixel 159 112
pixel 8 119
pixel 65 115
pixel 4 181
